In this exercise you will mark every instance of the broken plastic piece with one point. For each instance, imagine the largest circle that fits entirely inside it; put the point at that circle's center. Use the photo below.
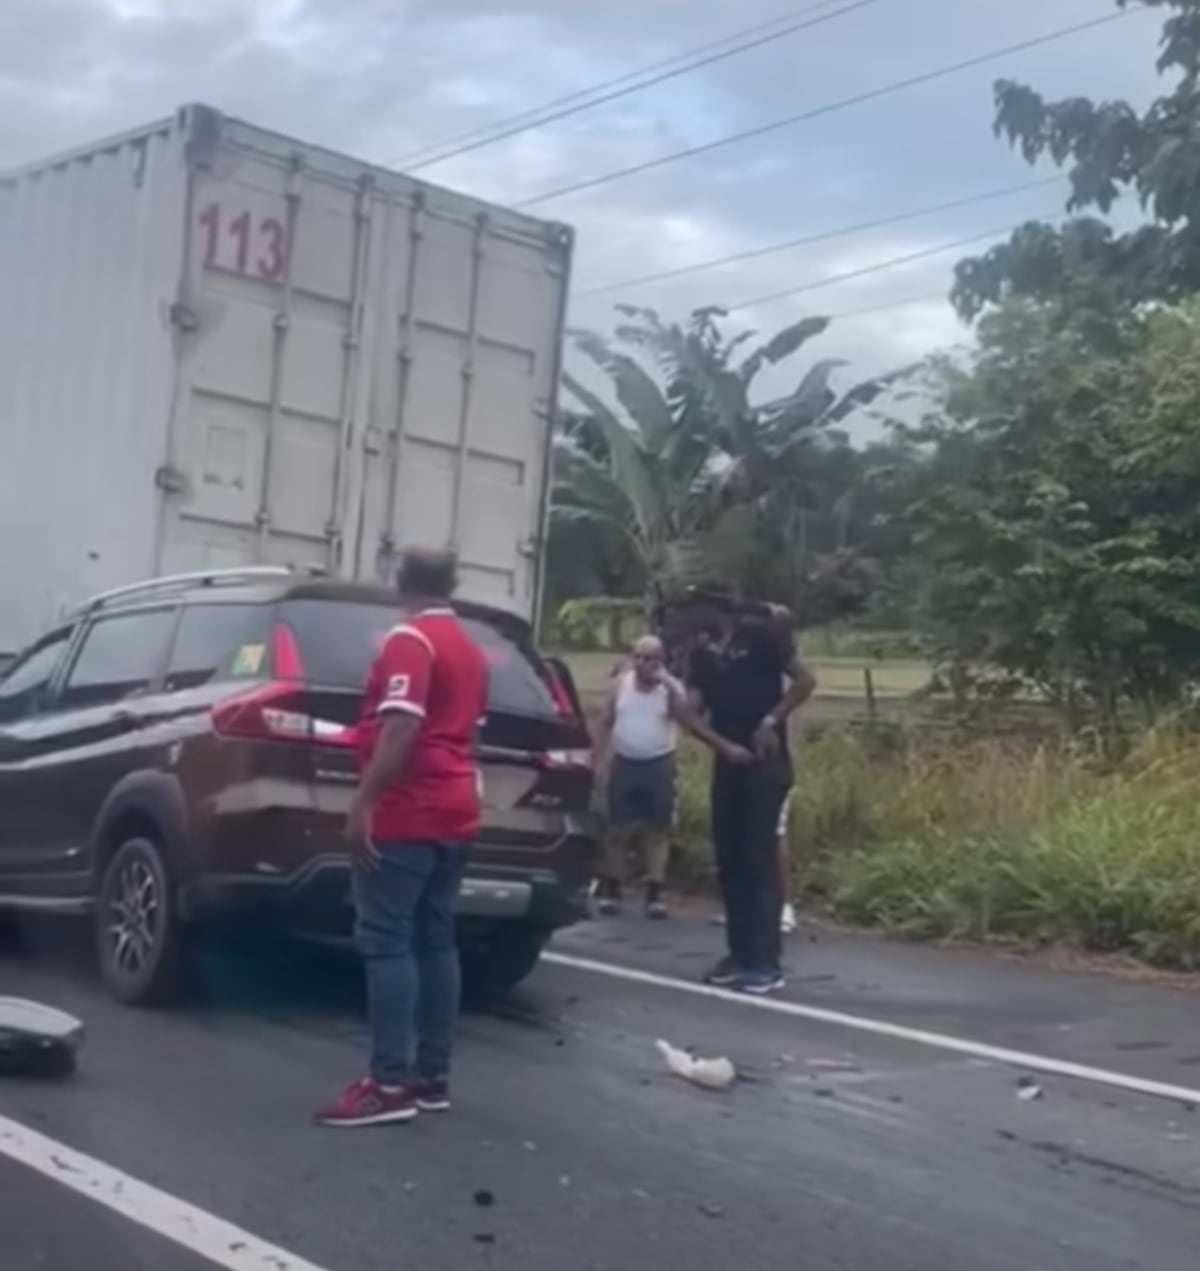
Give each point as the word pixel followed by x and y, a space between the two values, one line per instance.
pixel 709 1074
pixel 834 1065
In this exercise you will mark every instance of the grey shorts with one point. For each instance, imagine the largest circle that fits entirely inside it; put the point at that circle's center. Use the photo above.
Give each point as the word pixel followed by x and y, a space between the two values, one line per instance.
pixel 642 792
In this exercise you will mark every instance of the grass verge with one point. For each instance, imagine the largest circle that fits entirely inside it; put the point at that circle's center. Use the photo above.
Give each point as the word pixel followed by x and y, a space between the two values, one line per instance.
pixel 989 840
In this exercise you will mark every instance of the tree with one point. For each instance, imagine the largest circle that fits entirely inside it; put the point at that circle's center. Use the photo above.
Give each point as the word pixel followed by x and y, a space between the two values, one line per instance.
pixel 1109 149
pixel 686 452
pixel 631 472
pixel 1051 504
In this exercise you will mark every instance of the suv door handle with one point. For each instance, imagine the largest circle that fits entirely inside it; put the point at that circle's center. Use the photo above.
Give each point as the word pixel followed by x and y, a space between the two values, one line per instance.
pixel 123 717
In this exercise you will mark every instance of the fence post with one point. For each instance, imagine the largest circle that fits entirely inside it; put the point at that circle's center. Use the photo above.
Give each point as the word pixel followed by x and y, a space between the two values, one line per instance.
pixel 869 687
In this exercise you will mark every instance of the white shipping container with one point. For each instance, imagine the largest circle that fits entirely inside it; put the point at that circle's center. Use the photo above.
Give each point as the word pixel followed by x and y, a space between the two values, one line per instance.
pixel 220 347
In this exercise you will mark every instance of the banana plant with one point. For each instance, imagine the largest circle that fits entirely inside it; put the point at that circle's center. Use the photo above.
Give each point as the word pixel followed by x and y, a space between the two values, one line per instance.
pixel 682 438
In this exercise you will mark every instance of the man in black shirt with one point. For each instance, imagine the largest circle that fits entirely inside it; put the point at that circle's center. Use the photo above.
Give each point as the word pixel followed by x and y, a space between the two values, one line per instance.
pixel 750 685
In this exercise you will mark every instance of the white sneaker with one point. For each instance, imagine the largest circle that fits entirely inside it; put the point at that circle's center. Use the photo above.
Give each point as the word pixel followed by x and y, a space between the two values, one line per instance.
pixel 787 920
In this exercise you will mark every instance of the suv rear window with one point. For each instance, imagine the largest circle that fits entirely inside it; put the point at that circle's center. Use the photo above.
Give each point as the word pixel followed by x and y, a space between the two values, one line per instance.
pixel 339 641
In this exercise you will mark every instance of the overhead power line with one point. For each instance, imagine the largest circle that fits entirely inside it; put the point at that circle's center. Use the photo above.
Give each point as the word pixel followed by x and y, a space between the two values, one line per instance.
pixel 907 303
pixel 532 112
pixel 923 254
pixel 893 262
pixel 829 108
pixel 516 129
pixel 823 236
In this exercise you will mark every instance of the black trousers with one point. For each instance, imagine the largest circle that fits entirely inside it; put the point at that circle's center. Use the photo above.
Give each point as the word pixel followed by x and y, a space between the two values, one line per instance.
pixel 746 803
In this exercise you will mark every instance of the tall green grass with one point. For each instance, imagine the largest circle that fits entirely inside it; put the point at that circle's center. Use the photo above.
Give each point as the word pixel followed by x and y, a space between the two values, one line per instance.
pixel 995 840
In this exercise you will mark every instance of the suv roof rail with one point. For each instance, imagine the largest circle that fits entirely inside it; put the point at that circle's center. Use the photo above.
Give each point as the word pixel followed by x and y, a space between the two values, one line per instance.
pixel 198 578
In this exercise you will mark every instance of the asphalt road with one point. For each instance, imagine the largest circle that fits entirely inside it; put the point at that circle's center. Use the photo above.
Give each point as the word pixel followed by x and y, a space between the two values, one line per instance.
pixel 838 1150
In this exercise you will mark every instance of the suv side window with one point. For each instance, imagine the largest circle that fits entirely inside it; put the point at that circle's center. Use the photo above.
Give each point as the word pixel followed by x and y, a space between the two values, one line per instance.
pixel 23 688
pixel 217 642
pixel 121 655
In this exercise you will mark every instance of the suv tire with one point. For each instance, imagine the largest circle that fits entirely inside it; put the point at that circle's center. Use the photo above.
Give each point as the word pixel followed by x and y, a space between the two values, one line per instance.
pixel 500 961
pixel 139 934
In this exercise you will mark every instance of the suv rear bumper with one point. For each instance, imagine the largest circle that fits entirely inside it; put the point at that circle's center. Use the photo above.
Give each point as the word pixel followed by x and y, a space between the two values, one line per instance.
pixel 317 898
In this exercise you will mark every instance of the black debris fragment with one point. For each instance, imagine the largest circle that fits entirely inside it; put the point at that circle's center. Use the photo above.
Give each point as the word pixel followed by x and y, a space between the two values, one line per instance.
pixel 37 1040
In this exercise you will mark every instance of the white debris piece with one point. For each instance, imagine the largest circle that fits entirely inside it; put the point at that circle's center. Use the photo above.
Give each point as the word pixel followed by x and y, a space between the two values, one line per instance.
pixel 710 1074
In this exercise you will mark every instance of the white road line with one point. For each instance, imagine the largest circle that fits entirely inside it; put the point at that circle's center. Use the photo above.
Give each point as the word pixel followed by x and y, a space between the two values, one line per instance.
pixel 881 1028
pixel 195 1230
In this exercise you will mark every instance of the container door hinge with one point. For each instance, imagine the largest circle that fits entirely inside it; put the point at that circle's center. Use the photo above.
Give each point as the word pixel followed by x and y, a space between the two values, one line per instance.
pixel 183 317
pixel 170 479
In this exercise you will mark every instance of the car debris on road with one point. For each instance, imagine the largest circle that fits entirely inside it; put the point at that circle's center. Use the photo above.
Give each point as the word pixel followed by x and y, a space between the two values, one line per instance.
pixel 37 1040
pixel 709 1074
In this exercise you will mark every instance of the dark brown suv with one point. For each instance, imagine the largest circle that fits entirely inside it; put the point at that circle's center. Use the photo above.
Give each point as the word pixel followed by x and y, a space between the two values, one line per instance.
pixel 178 758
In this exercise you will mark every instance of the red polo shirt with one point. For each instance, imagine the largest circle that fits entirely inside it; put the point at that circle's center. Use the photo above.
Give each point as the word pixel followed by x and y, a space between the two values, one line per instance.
pixel 429 667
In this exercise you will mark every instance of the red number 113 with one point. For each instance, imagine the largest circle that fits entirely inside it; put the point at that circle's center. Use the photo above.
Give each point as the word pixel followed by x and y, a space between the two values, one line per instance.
pixel 242 235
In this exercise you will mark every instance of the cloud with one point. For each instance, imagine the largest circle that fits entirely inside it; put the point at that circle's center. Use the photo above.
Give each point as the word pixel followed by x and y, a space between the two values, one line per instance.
pixel 385 78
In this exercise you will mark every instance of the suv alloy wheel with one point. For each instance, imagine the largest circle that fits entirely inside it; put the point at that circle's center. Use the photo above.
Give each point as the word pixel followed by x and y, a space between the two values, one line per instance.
pixel 139 936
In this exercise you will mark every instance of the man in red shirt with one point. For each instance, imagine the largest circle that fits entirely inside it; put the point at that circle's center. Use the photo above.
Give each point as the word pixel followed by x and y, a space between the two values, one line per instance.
pixel 415 814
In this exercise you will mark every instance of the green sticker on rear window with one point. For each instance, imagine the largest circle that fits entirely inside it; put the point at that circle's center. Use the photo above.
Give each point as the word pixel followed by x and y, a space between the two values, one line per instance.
pixel 249 659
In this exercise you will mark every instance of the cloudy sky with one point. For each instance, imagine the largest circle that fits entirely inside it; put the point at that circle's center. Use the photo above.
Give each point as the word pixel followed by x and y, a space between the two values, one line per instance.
pixel 387 78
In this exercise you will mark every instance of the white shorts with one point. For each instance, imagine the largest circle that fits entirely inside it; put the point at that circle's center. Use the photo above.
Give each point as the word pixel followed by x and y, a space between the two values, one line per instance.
pixel 785 815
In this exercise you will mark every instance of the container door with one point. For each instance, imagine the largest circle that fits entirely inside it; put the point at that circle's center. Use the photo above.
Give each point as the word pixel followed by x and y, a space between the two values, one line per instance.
pixel 271 362
pixel 462 398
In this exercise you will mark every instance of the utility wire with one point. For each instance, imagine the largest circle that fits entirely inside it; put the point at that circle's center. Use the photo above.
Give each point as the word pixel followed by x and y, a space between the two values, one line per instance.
pixel 908 258
pixel 435 148
pixel 910 301
pixel 687 69
pixel 823 236
pixel 829 108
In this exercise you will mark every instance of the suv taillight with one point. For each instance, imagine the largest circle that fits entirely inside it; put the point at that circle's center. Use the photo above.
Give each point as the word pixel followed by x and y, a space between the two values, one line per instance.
pixel 562 699
pixel 285 651
pixel 272 713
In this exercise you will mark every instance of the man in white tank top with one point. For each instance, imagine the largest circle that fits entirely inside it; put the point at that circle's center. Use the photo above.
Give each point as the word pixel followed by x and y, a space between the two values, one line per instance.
pixel 638 737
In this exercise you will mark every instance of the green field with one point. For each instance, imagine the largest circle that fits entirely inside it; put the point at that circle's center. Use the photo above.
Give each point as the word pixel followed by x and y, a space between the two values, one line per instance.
pixel 841 682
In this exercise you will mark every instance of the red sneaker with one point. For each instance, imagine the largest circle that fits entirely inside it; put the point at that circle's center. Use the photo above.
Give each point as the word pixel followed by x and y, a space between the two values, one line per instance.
pixel 368 1103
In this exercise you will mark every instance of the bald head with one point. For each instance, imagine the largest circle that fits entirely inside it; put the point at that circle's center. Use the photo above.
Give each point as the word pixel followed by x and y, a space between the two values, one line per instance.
pixel 427 573
pixel 648 659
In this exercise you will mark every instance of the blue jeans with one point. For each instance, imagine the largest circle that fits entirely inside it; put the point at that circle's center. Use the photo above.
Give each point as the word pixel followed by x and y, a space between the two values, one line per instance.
pixel 404 929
